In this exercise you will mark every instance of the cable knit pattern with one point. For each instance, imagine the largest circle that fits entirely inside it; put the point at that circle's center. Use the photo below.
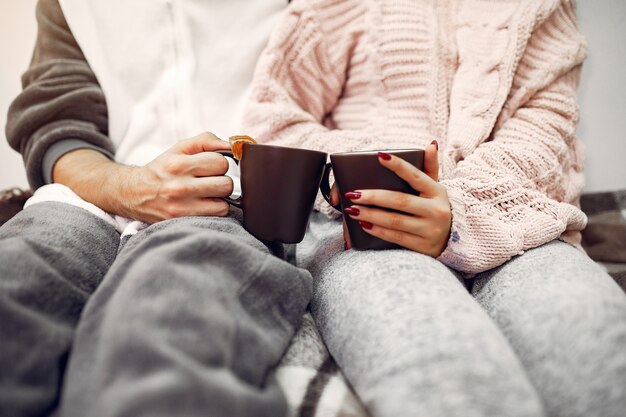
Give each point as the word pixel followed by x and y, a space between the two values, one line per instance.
pixel 494 81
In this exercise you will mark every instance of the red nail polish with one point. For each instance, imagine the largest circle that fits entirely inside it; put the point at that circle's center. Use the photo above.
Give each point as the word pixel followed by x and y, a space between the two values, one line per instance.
pixel 352 211
pixel 384 156
pixel 434 142
pixel 353 195
pixel 366 225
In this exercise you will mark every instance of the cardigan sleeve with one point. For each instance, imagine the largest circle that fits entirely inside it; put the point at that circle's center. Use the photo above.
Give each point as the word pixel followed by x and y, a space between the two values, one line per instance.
pixel 520 189
pixel 300 77
pixel 62 106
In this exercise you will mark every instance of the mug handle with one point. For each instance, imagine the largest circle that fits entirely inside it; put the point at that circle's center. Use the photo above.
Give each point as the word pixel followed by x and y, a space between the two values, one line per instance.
pixel 325 186
pixel 235 202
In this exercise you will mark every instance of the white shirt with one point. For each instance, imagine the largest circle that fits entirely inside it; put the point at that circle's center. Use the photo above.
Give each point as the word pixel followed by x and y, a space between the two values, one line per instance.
pixel 171 69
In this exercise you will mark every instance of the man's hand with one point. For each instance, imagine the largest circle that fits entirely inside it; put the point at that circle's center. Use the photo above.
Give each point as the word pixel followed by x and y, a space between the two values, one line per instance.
pixel 186 180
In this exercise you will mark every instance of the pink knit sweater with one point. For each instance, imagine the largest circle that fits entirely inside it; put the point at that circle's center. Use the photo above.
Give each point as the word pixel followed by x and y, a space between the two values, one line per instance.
pixel 493 81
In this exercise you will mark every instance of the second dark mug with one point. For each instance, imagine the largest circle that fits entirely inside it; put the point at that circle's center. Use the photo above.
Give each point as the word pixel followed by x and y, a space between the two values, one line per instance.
pixel 278 189
pixel 362 171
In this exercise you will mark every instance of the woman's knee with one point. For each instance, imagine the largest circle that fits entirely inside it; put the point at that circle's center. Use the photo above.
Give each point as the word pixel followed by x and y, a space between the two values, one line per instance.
pixel 566 319
pixel 407 320
pixel 381 280
pixel 555 280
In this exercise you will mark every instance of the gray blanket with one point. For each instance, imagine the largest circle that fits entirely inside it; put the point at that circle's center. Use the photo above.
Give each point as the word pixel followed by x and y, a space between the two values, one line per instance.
pixel 313 384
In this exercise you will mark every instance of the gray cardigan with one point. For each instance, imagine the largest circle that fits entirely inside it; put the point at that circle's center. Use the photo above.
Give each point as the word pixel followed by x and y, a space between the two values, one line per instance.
pixel 62 106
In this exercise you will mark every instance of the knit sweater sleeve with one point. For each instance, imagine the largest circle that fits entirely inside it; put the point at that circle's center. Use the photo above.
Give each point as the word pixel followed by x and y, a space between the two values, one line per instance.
pixel 62 106
pixel 300 77
pixel 518 190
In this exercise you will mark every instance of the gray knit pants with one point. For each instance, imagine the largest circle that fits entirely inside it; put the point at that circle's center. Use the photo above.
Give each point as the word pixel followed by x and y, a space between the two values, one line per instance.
pixel 543 335
pixel 188 319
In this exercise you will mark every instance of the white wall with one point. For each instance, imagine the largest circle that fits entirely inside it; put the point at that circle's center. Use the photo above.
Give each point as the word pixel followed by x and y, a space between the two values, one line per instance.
pixel 17 37
pixel 602 93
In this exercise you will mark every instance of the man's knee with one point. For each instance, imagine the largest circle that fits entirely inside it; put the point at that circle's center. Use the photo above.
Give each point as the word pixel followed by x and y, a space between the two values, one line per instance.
pixel 54 220
pixel 218 233
pixel 211 248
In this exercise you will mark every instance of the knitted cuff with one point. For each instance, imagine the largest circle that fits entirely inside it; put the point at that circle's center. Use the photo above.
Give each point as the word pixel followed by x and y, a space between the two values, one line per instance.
pixel 454 255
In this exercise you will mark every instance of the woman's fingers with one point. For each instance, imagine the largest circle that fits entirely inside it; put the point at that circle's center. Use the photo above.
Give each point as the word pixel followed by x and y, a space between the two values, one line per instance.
pixel 417 179
pixel 395 200
pixel 405 239
pixel 431 160
pixel 389 220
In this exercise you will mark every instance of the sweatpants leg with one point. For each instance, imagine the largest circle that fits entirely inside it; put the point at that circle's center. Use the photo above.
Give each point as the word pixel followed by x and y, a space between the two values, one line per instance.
pixel 190 321
pixel 566 319
pixel 52 257
pixel 408 335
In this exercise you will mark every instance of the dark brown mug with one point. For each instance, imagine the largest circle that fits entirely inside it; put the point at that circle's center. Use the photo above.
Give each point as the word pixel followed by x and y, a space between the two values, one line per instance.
pixel 362 171
pixel 278 190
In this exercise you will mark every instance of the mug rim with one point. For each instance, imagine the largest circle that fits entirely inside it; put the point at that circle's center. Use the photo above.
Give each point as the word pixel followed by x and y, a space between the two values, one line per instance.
pixel 289 148
pixel 373 152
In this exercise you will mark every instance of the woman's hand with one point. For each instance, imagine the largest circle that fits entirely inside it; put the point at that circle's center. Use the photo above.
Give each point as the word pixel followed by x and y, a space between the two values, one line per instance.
pixel 425 220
